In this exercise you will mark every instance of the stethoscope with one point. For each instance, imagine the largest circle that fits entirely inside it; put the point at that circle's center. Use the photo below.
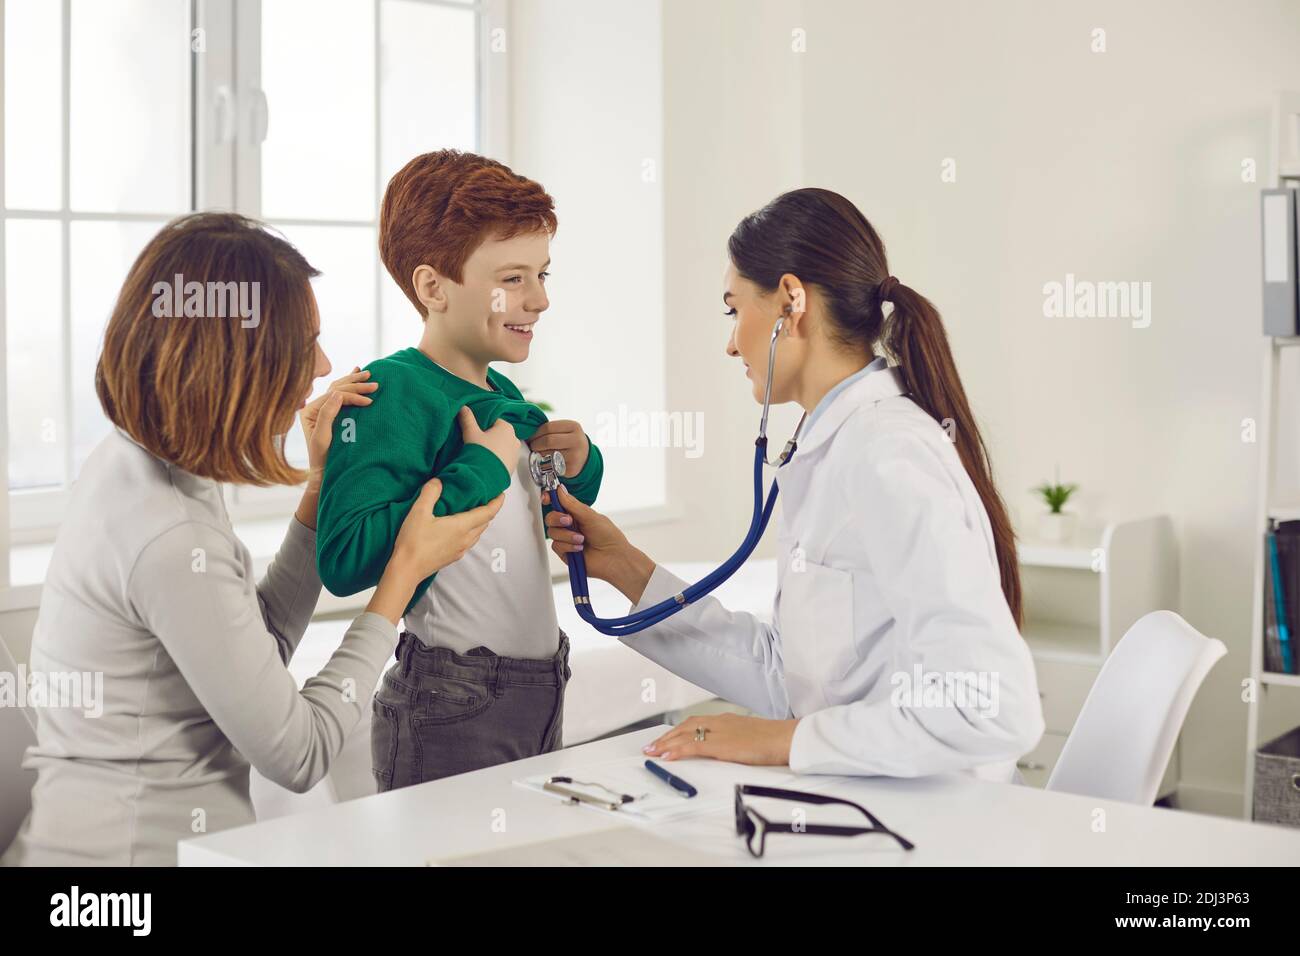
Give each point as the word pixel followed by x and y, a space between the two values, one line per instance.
pixel 546 470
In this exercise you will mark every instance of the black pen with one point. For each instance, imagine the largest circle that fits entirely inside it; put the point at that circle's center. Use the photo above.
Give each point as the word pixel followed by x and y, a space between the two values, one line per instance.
pixel 677 783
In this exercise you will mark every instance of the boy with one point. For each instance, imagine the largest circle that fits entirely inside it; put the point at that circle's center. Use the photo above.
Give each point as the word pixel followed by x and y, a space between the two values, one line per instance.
pixel 482 664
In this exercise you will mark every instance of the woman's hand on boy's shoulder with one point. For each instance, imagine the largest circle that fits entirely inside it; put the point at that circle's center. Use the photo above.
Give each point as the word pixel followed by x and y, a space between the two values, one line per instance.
pixel 566 437
pixel 317 417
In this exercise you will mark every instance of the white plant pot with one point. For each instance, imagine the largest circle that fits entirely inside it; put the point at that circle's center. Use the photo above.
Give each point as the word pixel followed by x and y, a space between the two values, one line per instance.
pixel 1057 527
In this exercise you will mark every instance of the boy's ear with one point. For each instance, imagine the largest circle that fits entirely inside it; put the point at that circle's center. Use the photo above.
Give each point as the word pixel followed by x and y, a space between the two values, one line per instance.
pixel 430 288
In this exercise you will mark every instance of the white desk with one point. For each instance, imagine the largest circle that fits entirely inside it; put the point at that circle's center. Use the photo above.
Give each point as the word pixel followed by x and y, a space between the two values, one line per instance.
pixel 952 819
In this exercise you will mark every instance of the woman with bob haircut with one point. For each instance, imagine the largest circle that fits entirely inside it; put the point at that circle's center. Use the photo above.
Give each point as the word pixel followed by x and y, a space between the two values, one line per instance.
pixel 149 586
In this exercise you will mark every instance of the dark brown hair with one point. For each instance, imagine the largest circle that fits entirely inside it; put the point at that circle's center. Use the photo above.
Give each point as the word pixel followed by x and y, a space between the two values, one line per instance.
pixel 824 240
pixel 441 206
pixel 208 389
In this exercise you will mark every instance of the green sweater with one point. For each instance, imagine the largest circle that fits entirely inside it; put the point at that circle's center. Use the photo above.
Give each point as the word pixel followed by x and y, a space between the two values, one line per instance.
pixel 383 453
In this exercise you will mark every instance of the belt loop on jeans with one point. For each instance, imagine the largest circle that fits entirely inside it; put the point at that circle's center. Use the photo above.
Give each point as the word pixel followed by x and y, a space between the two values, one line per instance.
pixel 403 643
pixel 498 684
pixel 558 662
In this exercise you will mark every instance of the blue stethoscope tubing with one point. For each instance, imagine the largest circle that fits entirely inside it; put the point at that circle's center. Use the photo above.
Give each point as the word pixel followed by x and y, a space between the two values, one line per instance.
pixel 762 513
pixel 648 617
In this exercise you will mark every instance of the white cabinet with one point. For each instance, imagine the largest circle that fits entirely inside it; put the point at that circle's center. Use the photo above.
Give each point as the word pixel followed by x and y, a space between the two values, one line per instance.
pixel 1080 597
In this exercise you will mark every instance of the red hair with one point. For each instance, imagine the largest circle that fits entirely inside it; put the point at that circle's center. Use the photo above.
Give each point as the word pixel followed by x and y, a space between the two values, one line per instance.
pixel 443 205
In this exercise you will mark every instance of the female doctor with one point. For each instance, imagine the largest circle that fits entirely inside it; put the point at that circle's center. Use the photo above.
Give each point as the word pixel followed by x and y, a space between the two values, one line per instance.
pixel 894 648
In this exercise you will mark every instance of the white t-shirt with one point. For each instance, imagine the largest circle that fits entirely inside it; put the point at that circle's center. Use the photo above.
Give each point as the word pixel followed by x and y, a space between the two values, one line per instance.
pixel 499 594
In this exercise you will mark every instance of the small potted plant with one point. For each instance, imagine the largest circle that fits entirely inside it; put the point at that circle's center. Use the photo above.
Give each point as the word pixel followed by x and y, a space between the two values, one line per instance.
pixel 1057 524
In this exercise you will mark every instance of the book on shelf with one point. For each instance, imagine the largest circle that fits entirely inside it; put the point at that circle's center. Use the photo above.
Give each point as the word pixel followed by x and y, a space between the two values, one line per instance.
pixel 1281 604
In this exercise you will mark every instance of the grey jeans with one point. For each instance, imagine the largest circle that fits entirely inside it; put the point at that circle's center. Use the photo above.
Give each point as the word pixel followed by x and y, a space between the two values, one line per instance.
pixel 439 713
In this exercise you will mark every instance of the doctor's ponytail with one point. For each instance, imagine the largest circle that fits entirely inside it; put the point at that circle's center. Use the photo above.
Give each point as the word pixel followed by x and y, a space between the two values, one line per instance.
pixel 824 240
pixel 915 338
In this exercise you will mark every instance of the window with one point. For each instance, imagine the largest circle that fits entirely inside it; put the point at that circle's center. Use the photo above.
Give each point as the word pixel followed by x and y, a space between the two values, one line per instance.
pixel 352 91
pixel 121 114
pixel 80 76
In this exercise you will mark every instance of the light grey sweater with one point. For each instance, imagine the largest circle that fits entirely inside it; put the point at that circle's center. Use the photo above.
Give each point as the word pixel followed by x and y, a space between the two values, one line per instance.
pixel 149 586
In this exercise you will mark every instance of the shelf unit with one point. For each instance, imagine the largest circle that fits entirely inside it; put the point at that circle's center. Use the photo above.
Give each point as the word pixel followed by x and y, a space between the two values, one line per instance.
pixel 1273 503
pixel 1272 507
pixel 1080 597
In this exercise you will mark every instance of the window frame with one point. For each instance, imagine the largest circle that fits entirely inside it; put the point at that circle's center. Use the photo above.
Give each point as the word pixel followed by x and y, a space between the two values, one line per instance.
pixel 244 191
pixel 226 108
pixel 42 508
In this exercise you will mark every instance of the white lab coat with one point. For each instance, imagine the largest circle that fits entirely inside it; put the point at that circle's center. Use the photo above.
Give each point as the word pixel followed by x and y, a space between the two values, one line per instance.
pixel 892 641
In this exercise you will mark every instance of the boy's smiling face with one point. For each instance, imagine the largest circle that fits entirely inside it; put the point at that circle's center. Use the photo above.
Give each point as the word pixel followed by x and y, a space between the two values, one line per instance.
pixel 491 315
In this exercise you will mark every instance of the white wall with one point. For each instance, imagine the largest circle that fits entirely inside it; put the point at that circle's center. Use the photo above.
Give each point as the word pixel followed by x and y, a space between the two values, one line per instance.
pixel 598 88
pixel 726 85
pixel 587 123
pixel 1122 165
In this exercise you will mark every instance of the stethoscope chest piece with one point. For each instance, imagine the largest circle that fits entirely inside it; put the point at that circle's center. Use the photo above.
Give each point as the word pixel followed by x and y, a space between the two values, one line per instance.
pixel 546 469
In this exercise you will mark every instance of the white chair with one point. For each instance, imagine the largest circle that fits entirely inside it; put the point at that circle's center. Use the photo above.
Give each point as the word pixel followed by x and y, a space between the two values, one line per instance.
pixel 17 733
pixel 1126 730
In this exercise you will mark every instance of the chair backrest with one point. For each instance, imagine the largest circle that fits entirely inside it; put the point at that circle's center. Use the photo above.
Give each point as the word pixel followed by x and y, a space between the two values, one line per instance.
pixel 17 733
pixel 1125 733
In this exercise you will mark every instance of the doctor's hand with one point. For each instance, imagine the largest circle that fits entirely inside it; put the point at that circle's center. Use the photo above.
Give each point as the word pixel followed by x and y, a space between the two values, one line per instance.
pixel 566 437
pixel 609 555
pixel 749 740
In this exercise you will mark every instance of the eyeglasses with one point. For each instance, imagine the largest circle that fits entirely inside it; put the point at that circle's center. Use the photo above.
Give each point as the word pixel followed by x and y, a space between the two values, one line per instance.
pixel 750 823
